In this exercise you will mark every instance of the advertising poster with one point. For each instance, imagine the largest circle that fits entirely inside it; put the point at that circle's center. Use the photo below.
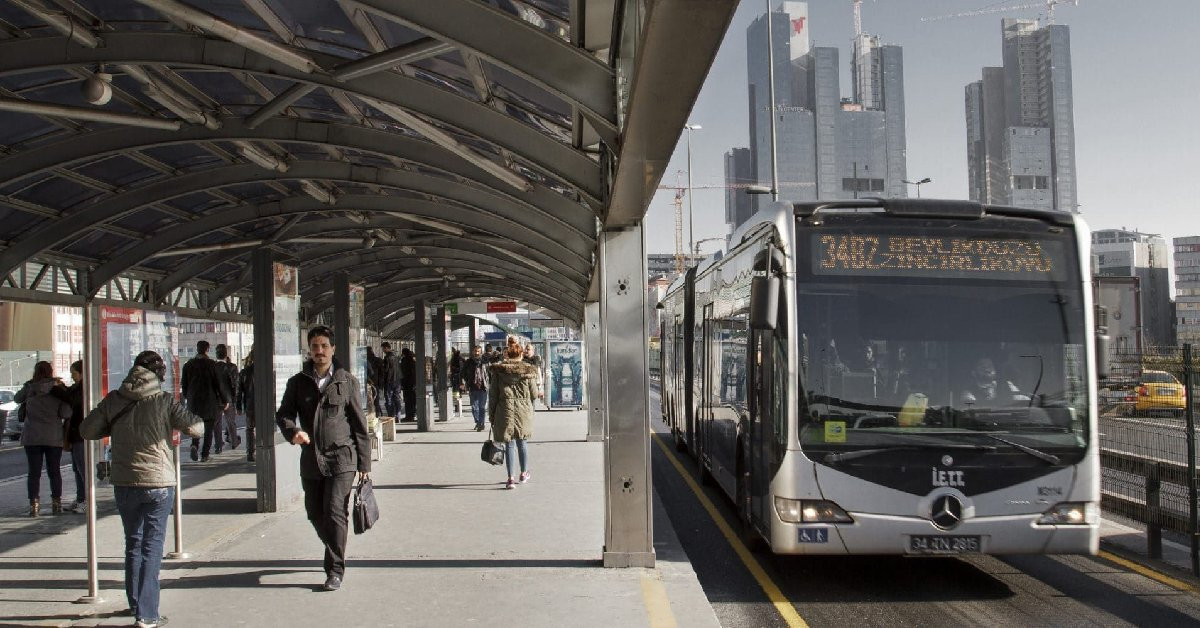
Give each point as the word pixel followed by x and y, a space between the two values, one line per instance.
pixel 289 354
pixel 565 378
pixel 358 349
pixel 126 332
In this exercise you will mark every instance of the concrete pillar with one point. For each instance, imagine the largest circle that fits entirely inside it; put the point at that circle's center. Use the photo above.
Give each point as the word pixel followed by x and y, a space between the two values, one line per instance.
pixel 277 463
pixel 344 350
pixel 628 535
pixel 593 350
pixel 440 385
pixel 420 314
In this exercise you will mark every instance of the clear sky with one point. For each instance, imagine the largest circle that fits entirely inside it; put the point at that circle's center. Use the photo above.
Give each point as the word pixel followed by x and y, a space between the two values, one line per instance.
pixel 1136 90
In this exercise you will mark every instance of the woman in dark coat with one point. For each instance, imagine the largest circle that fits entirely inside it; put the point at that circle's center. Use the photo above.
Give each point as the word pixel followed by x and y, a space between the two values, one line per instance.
pixel 46 416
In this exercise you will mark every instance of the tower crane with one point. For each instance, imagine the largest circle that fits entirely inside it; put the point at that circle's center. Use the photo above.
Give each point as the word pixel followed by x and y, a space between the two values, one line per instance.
pixel 1048 4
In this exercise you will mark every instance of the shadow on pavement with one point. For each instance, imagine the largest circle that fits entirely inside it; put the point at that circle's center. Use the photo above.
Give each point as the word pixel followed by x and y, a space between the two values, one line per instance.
pixel 465 487
pixel 219 505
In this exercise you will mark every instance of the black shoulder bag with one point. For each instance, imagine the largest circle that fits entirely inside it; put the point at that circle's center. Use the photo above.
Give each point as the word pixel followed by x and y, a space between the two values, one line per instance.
pixel 366 511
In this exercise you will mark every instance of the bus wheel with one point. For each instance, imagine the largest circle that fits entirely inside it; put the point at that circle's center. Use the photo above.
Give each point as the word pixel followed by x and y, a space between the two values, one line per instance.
pixel 746 532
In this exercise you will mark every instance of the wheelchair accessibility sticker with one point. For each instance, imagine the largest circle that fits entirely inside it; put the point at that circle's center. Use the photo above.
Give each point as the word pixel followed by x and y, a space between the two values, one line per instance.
pixel 815 535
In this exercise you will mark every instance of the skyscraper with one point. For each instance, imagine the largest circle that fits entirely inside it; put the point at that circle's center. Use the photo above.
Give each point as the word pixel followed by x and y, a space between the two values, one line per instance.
pixel 1187 289
pixel 738 173
pixel 828 147
pixel 1122 253
pixel 1021 123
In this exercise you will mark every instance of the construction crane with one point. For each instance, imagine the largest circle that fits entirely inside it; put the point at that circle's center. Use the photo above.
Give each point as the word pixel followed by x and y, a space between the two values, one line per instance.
pixel 1048 4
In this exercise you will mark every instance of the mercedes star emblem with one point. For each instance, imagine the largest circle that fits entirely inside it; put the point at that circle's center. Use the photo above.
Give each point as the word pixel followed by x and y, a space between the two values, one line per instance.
pixel 946 512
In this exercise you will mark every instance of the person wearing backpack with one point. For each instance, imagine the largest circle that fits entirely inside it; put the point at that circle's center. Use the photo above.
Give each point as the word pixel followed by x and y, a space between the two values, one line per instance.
pixel 140 416
pixel 474 382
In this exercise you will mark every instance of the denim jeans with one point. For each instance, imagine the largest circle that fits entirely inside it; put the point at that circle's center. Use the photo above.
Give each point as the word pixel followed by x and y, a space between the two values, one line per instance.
pixel 144 515
pixel 77 465
pixel 478 406
pixel 34 455
pixel 513 448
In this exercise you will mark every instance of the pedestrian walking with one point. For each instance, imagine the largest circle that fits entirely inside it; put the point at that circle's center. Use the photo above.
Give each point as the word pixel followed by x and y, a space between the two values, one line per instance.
pixel 245 402
pixel 74 441
pixel 227 425
pixel 207 393
pixel 456 362
pixel 391 381
pixel 474 382
pixel 139 416
pixel 375 369
pixel 46 417
pixel 511 391
pixel 533 359
pixel 322 413
pixel 408 384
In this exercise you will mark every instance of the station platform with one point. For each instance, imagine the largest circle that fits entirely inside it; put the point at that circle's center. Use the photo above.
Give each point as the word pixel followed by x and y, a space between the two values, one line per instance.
pixel 453 547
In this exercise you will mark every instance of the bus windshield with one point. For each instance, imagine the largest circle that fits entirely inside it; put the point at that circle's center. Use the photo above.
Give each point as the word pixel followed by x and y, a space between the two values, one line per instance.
pixel 978 337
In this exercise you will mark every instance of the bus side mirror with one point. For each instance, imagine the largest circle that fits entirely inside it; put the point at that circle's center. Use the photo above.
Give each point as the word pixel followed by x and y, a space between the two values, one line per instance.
pixel 764 302
pixel 1102 356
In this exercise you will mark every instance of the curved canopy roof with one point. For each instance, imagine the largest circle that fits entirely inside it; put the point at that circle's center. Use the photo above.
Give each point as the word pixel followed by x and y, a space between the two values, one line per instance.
pixel 432 150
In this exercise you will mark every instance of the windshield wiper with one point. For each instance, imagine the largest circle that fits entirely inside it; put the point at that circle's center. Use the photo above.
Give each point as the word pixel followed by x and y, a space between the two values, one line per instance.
pixel 1051 458
pixel 835 458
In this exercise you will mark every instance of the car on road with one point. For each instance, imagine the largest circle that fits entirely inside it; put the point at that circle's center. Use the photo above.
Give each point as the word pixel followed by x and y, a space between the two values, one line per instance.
pixel 8 414
pixel 1160 391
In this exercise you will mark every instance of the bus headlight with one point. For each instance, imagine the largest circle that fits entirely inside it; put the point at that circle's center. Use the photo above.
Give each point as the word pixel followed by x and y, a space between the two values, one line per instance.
pixel 1069 514
pixel 810 511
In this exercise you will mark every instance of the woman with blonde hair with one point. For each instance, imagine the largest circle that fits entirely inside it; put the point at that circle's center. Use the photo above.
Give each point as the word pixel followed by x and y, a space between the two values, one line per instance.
pixel 512 389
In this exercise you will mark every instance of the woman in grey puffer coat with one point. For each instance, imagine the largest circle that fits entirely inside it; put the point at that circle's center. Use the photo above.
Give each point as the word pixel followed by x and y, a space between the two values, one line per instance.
pixel 46 414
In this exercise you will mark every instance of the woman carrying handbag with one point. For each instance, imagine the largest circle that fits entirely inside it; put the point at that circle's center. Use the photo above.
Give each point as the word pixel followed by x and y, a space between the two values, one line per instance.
pixel 511 393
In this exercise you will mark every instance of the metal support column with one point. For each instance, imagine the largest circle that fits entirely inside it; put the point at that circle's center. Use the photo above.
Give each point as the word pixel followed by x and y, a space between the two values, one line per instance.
pixel 91 397
pixel 440 385
pixel 276 468
pixel 593 349
pixel 343 350
pixel 420 314
pixel 473 334
pixel 628 535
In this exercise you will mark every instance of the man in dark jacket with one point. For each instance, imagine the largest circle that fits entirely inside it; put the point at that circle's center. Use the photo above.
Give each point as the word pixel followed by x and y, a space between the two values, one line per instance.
pixel 207 393
pixel 375 379
pixel 74 396
pixel 391 380
pixel 474 381
pixel 245 402
pixel 322 413
pixel 408 384
pixel 227 430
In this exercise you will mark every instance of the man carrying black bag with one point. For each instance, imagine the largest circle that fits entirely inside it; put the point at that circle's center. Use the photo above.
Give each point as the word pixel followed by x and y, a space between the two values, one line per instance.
pixel 322 413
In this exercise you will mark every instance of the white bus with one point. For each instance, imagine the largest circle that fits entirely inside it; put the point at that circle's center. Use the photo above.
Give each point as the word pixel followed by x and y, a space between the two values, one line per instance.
pixel 896 376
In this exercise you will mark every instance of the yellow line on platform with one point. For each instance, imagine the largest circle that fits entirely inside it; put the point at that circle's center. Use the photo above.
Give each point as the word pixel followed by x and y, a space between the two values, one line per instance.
pixel 774 594
pixel 658 607
pixel 1148 572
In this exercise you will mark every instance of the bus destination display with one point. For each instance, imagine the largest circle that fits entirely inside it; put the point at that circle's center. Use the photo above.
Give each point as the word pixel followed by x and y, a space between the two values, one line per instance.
pixel 909 255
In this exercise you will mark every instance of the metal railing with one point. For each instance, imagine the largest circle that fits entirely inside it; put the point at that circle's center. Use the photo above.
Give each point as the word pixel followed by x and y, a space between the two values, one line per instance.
pixel 1148 444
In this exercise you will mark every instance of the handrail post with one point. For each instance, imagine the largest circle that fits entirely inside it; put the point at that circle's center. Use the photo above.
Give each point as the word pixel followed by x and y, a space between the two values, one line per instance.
pixel 1189 412
pixel 178 554
pixel 1153 512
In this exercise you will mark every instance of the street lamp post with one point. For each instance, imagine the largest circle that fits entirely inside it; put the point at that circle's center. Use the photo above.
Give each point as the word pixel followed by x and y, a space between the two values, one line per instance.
pixel 12 363
pixel 691 233
pixel 918 184
pixel 771 91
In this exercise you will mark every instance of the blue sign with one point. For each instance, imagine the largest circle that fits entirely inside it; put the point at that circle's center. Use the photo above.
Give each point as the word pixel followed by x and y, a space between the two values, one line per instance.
pixel 814 535
pixel 495 335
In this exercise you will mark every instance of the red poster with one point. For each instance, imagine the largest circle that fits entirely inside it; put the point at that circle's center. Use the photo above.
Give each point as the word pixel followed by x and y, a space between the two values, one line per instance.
pixel 501 307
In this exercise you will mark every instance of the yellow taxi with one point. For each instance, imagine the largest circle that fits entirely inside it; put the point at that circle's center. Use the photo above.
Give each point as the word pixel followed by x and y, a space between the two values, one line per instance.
pixel 1159 390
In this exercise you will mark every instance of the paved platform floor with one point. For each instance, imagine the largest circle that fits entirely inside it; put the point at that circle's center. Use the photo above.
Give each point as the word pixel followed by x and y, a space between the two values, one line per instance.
pixel 452 548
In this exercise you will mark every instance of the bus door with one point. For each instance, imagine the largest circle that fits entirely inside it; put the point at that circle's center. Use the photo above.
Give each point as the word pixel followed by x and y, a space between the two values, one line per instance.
pixel 762 361
pixel 703 376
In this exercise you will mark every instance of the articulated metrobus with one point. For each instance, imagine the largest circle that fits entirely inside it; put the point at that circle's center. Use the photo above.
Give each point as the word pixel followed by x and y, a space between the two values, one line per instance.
pixel 896 376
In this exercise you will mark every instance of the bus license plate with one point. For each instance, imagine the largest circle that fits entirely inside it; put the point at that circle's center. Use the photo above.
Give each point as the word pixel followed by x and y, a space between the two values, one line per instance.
pixel 931 544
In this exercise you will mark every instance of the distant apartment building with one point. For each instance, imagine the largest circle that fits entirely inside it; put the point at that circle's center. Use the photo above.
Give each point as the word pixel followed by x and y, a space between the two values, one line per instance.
pixel 1123 253
pixel 1187 289
pixel 1021 124
pixel 827 146
pixel 664 265
pixel 239 337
